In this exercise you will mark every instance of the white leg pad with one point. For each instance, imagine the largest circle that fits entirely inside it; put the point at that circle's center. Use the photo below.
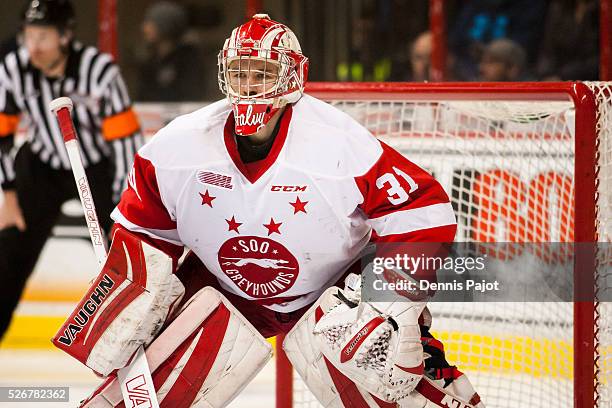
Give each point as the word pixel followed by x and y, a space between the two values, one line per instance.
pixel 431 394
pixel 204 358
pixel 334 390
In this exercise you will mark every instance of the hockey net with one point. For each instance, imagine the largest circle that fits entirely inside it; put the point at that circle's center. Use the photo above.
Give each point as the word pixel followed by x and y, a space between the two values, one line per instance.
pixel 513 158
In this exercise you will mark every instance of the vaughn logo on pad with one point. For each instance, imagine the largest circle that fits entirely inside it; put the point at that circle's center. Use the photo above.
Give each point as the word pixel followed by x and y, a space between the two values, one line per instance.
pixel 80 318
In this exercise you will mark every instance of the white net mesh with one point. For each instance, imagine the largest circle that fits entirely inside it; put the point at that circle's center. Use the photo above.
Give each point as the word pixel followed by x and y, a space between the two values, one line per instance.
pixel 603 94
pixel 509 169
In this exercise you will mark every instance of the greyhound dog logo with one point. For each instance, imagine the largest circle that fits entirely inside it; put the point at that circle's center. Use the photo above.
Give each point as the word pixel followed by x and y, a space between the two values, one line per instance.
pixel 262 263
pixel 258 266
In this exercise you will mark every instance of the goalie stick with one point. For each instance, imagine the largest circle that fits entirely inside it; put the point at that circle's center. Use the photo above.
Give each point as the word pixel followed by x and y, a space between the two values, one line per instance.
pixel 138 369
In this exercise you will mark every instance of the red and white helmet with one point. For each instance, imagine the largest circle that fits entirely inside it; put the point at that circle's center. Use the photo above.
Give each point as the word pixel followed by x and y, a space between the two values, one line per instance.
pixel 261 69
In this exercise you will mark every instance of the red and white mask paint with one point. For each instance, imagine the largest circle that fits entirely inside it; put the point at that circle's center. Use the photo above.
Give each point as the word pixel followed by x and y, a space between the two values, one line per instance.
pixel 261 69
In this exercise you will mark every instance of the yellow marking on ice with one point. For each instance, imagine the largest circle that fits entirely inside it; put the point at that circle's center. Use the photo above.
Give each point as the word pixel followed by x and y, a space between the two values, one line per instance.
pixel 32 332
pixel 469 351
pixel 40 293
pixel 35 332
pixel 538 357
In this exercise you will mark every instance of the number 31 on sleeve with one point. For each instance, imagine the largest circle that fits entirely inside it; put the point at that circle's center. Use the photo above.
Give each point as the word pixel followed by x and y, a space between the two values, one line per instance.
pixel 396 194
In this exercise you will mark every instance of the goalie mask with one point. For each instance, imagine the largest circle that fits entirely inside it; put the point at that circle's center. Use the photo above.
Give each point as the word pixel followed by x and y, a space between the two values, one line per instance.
pixel 261 69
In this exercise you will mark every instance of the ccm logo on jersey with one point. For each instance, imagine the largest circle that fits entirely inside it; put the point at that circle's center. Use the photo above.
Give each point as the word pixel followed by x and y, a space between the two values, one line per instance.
pixel 288 189
pixel 87 310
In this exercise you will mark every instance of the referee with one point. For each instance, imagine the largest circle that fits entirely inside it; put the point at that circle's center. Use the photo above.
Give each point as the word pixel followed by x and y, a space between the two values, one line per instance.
pixel 36 179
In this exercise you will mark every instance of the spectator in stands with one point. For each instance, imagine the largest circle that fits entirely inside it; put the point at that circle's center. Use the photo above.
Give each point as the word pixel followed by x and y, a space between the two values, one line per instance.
pixel 570 48
pixel 170 70
pixel 420 57
pixel 502 60
pixel 401 24
pixel 372 40
pixel 481 21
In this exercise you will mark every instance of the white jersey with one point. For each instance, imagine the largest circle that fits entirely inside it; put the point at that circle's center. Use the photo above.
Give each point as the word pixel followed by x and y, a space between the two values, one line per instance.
pixel 288 226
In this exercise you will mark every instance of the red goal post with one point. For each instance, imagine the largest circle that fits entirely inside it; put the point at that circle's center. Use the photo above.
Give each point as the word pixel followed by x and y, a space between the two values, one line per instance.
pixel 380 107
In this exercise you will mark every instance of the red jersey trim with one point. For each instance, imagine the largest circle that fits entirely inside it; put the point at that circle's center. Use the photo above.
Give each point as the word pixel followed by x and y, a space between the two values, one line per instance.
pixel 141 202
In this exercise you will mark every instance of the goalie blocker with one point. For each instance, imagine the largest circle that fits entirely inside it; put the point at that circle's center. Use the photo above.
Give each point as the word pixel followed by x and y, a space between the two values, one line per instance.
pixel 205 357
pixel 125 307
pixel 193 359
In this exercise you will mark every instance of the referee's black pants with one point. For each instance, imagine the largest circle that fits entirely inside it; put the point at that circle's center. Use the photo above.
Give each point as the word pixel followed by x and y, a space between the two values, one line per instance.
pixel 41 191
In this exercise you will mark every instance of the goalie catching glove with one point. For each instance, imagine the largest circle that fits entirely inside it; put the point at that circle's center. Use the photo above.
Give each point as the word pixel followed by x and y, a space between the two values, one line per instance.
pixel 126 306
pixel 375 344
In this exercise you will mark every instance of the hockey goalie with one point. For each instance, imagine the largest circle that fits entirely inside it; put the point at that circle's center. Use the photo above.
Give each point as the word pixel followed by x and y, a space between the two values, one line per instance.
pixel 277 196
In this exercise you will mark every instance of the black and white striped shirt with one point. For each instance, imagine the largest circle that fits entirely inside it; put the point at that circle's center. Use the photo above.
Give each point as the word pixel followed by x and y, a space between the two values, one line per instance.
pixel 106 125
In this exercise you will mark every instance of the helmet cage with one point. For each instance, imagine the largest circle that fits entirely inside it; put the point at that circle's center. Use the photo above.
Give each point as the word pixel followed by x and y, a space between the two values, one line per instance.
pixel 289 77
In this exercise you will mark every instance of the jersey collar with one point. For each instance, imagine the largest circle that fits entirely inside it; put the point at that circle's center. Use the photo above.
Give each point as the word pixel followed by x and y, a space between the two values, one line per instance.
pixel 264 164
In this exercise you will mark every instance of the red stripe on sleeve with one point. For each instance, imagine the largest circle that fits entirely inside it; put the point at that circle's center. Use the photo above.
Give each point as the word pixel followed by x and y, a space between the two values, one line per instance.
pixel 141 202
pixel 393 185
